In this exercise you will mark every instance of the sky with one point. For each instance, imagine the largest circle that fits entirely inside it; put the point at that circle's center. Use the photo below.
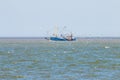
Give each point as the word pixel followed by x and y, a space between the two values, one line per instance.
pixel 37 18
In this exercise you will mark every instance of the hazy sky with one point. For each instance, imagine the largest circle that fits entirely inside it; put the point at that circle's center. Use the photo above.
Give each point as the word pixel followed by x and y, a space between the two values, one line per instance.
pixel 36 18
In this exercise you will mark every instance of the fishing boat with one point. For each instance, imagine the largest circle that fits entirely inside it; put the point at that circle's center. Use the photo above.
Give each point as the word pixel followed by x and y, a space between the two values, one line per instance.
pixel 61 37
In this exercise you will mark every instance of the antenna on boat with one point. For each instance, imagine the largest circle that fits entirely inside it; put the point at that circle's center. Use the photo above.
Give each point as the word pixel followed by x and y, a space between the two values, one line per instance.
pixel 63 30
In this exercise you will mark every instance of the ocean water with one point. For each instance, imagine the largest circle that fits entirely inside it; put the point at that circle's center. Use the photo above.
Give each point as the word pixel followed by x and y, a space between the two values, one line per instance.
pixel 44 60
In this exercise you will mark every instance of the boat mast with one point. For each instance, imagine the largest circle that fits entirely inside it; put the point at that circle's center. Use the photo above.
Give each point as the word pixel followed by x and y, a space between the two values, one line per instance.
pixel 56 31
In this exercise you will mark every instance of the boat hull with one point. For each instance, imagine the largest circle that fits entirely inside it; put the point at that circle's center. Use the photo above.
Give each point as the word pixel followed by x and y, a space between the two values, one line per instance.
pixel 61 39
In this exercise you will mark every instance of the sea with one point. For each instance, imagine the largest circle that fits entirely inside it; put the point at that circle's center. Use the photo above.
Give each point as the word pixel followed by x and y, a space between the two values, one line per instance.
pixel 36 59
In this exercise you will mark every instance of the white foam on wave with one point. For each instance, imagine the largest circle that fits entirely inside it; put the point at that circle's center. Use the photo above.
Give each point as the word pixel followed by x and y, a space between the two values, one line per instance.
pixel 106 47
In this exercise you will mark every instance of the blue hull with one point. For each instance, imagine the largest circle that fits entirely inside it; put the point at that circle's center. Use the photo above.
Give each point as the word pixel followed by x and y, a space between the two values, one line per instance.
pixel 60 39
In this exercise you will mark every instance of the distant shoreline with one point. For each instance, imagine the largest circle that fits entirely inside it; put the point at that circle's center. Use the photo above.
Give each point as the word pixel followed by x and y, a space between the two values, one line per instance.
pixel 45 37
pixel 42 39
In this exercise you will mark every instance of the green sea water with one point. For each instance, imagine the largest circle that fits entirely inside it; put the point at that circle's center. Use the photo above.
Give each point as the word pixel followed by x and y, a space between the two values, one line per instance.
pixel 44 60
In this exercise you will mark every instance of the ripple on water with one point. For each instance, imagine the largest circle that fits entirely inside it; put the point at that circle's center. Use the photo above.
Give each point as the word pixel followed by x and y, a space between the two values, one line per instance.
pixel 60 61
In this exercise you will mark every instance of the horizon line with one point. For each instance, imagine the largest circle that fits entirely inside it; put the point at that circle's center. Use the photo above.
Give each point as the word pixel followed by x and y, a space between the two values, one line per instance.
pixel 93 37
